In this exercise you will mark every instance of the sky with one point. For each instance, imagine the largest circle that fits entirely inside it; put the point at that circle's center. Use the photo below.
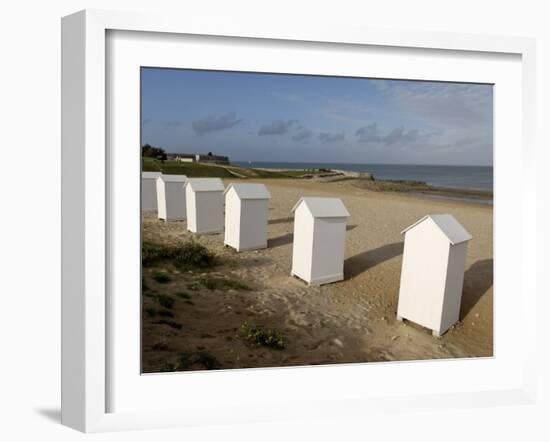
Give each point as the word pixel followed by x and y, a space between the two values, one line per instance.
pixel 299 118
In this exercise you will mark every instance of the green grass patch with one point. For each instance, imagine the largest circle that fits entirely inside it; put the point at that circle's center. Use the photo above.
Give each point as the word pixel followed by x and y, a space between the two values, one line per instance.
pixel 161 277
pixel 197 170
pixel 165 301
pixel 209 282
pixel 192 170
pixel 208 360
pixel 168 367
pixel 150 311
pixel 190 254
pixel 263 337
pixel 213 283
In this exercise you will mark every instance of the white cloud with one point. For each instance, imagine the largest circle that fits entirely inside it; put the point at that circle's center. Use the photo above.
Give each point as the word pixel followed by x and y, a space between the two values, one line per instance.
pixel 302 134
pixel 446 104
pixel 331 137
pixel 276 127
pixel 212 124
pixel 444 117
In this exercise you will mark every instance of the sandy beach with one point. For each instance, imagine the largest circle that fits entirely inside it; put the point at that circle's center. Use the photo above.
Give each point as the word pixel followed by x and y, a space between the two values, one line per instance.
pixel 348 321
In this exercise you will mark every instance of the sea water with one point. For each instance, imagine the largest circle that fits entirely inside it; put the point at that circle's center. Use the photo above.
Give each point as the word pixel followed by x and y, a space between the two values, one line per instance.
pixel 461 177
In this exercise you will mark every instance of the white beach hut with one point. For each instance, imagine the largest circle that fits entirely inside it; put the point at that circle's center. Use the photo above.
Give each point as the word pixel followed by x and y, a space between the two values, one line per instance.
pixel 171 197
pixel 319 240
pixel 204 200
pixel 433 272
pixel 149 190
pixel 246 207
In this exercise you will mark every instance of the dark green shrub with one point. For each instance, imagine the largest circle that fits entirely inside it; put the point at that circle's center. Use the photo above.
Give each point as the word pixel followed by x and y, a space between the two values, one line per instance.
pixel 209 282
pixel 207 360
pixel 263 337
pixel 193 254
pixel 161 277
pixel 236 285
pixel 151 312
pixel 165 301
pixel 190 254
pixel 213 283
pixel 168 367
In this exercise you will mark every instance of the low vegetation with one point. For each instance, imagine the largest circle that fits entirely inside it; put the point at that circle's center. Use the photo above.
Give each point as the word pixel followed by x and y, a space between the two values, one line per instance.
pixel 187 360
pixel 165 301
pixel 263 337
pixel 187 255
pixel 192 170
pixel 213 283
pixel 150 311
pixel 198 170
pixel 161 277
pixel 419 187
pixel 169 323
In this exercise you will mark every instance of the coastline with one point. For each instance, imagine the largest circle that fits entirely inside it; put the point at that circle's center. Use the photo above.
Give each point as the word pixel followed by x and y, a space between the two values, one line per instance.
pixel 473 177
pixel 419 189
pixel 362 180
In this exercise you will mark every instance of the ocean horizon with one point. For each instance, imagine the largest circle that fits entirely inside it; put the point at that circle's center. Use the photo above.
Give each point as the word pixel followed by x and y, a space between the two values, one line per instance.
pixel 461 177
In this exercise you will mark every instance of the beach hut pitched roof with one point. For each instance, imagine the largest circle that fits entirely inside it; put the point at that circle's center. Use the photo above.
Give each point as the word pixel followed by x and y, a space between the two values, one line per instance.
pixel 205 184
pixel 324 207
pixel 150 174
pixel 452 229
pixel 249 191
pixel 174 178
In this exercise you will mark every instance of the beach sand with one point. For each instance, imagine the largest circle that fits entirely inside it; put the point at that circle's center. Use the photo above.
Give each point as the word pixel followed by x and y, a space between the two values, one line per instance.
pixel 349 321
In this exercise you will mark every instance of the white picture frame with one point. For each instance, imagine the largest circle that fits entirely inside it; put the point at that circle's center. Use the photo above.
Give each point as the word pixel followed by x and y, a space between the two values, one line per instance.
pixel 87 211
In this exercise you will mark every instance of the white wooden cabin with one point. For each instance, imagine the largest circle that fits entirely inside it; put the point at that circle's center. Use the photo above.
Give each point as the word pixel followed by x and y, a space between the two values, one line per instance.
pixel 432 274
pixel 204 201
pixel 149 190
pixel 319 240
pixel 246 207
pixel 171 197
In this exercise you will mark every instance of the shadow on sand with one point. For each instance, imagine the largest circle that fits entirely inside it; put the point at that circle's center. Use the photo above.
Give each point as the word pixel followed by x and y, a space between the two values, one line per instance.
pixel 288 219
pixel 363 261
pixel 280 240
pixel 477 280
pixel 287 238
